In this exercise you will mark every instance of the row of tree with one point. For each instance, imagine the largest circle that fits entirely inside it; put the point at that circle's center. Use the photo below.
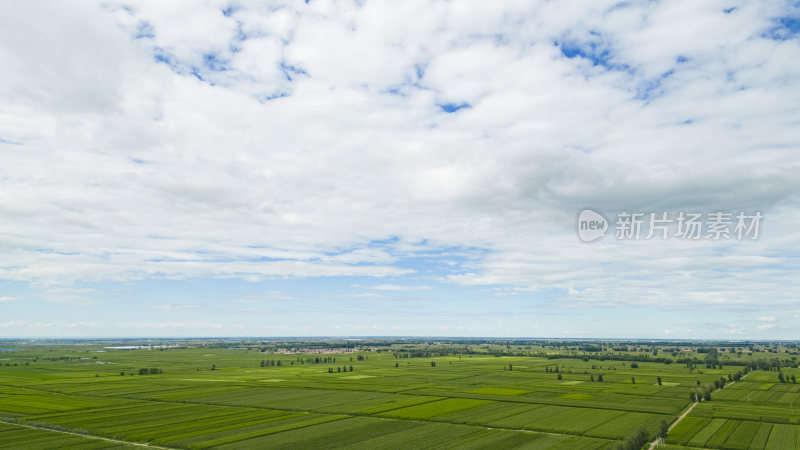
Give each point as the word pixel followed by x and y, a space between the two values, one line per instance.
pixel 701 393
pixel 640 437
pixel 318 360
pixel 340 369
pixel 785 379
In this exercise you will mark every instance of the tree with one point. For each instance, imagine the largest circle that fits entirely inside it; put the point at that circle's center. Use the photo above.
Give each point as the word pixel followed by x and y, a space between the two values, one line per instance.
pixel 635 441
pixel 351 368
pixel 510 367
pixel 600 378
pixel 433 363
pixel 693 395
pixel 780 377
pixel 659 381
pixel 663 429
pixel 794 380
pixel 559 376
pixel 633 380
pixel 592 377
pixel 397 364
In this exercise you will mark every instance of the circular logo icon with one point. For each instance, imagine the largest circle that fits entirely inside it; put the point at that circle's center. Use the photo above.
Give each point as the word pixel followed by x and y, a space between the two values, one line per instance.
pixel 591 225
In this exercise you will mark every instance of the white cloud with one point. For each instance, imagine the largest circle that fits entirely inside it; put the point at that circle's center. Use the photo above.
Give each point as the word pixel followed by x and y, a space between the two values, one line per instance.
pixel 170 308
pixel 394 287
pixel 734 329
pixel 19 324
pixel 283 141
pixel 192 325
pixel 77 296
pixel 6 299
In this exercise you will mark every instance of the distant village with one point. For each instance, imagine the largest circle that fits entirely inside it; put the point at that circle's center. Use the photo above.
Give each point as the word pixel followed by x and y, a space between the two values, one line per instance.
pixel 294 351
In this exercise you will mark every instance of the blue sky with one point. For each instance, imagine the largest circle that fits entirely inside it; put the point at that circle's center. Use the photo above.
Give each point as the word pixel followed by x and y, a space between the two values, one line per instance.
pixel 219 168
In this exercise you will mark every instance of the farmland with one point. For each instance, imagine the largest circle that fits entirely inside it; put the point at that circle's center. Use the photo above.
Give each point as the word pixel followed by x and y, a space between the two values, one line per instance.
pixel 390 394
pixel 752 413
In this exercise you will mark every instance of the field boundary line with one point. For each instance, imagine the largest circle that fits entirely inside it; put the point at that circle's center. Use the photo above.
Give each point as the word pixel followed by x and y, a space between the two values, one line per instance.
pixel 377 416
pixel 537 401
pixel 408 392
pixel 427 401
pixel 352 414
pixel 88 436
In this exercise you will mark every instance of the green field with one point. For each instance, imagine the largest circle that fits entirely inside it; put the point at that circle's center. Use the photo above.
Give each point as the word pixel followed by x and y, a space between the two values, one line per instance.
pixel 212 396
pixel 749 414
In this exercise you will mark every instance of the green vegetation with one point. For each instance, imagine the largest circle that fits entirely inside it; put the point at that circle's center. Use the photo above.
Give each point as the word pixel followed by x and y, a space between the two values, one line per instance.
pixel 406 394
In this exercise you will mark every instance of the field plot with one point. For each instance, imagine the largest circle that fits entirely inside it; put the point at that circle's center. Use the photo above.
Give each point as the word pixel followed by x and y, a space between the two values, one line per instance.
pixel 747 415
pixel 229 398
pixel 23 437
pixel 363 432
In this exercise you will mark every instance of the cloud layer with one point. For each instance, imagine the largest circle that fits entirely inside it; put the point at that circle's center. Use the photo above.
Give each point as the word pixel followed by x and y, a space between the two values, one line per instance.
pixel 263 141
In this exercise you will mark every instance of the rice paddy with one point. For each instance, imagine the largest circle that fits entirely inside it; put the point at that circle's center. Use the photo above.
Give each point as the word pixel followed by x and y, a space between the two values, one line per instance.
pixel 200 397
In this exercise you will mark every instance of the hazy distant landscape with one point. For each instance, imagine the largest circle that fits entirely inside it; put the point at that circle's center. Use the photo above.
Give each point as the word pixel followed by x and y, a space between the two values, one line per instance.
pixel 399 393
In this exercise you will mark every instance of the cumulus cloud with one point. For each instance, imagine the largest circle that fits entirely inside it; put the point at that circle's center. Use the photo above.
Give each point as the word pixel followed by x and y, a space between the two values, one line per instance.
pixel 264 141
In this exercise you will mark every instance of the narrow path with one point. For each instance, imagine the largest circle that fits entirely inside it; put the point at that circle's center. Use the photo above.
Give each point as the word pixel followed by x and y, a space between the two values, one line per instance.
pixel 88 436
pixel 686 413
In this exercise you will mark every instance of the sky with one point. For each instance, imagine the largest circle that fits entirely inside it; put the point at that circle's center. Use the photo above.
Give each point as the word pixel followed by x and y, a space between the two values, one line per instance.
pixel 380 168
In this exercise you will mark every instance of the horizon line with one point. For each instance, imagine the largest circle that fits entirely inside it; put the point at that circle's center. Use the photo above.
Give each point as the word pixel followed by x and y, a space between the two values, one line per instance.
pixel 398 337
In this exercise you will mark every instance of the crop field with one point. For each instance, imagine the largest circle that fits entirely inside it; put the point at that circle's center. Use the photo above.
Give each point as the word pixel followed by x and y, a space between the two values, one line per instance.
pixel 205 396
pixel 749 414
